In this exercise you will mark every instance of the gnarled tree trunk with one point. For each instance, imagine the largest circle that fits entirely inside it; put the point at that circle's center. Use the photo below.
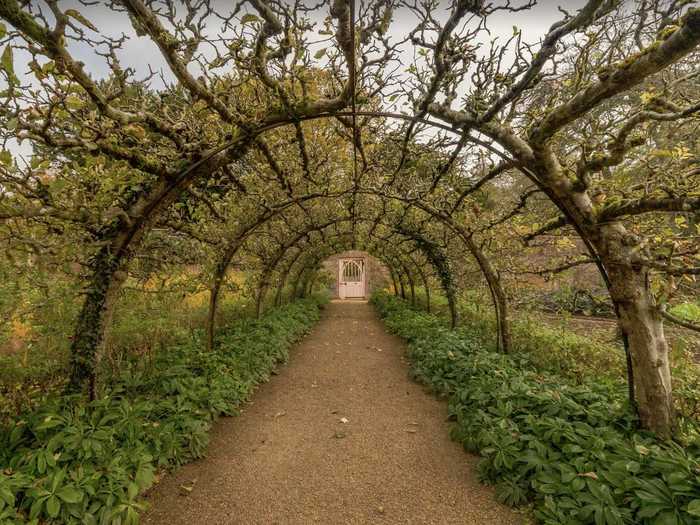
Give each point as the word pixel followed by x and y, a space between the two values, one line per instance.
pixel 642 323
pixel 393 282
pixel 412 286
pixel 91 323
pixel 213 306
pixel 426 286
pixel 498 294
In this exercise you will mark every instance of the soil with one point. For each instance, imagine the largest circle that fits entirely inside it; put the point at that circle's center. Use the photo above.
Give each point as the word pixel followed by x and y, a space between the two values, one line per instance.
pixel 340 436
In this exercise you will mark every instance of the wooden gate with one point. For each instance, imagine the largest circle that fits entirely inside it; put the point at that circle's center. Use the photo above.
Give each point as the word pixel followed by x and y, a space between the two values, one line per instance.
pixel 351 278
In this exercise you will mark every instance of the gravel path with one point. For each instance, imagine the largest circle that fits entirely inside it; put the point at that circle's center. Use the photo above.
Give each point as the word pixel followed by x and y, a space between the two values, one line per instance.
pixel 340 436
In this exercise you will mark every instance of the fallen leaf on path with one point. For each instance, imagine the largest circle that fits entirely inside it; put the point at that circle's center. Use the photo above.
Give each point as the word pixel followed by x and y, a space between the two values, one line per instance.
pixel 339 435
pixel 344 420
pixel 411 430
pixel 280 413
pixel 188 488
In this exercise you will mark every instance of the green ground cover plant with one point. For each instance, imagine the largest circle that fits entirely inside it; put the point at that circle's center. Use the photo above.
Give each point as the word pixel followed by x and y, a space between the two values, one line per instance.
pixel 570 448
pixel 69 461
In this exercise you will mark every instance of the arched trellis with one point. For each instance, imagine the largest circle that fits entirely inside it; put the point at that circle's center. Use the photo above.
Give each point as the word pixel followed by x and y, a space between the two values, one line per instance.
pixel 294 243
pixel 390 259
pixel 438 258
pixel 317 252
pixel 606 238
pixel 498 295
pixel 426 283
pixel 284 275
pixel 280 252
pixel 108 265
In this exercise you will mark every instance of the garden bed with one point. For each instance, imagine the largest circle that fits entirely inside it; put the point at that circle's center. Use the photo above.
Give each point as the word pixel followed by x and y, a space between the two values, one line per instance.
pixel 71 461
pixel 571 449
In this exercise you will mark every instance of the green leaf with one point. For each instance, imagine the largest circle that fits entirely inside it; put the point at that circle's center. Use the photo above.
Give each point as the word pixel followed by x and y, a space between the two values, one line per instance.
pixel 35 509
pixel 53 506
pixel 7 496
pixel 144 477
pixel 694 508
pixel 320 53
pixel 69 494
pixel 3 30
pixel 132 491
pixel 80 18
pixel 633 466
pixel 57 479
pixel 41 463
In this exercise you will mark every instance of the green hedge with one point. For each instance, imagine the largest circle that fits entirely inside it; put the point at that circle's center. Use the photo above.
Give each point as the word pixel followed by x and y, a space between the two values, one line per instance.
pixel 572 449
pixel 74 462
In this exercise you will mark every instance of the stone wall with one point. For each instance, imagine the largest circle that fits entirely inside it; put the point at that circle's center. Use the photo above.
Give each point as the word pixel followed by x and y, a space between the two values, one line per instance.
pixel 377 276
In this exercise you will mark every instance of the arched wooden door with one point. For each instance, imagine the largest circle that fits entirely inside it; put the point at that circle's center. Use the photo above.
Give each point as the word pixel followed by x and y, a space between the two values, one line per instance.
pixel 351 278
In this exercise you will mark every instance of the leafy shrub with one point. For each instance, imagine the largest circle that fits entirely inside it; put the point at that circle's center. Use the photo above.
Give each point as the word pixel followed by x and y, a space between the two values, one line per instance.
pixel 688 311
pixel 550 348
pixel 75 462
pixel 578 358
pixel 25 383
pixel 146 321
pixel 572 449
pixel 576 301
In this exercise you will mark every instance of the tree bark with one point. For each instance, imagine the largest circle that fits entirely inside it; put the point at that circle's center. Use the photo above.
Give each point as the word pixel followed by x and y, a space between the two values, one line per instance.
pixel 260 298
pixel 616 250
pixel 452 305
pixel 300 284
pixel 403 287
pixel 393 282
pixel 213 306
pixel 412 286
pixel 90 326
pixel 642 322
pixel 498 295
pixel 312 283
pixel 650 361
pixel 426 286
pixel 283 278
